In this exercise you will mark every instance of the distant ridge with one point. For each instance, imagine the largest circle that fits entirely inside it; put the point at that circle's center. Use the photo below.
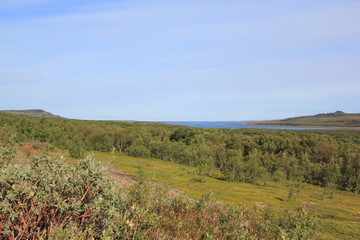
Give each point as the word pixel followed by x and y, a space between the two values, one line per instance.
pixel 33 113
pixel 335 119
pixel 320 115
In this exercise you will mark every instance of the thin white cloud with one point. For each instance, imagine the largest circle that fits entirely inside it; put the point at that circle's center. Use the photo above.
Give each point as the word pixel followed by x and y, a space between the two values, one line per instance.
pixel 14 77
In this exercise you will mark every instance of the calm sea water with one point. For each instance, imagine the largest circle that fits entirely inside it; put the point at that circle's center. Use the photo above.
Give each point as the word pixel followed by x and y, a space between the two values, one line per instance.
pixel 229 125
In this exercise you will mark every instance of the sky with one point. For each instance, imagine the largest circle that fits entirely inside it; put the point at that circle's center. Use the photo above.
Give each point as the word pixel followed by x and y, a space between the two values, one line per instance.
pixel 167 60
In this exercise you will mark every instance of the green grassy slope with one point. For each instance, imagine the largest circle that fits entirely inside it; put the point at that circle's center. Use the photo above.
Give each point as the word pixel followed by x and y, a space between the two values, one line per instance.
pixel 339 215
pixel 337 119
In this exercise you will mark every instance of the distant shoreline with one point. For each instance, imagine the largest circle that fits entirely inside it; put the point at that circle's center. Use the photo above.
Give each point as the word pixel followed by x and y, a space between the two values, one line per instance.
pixel 325 127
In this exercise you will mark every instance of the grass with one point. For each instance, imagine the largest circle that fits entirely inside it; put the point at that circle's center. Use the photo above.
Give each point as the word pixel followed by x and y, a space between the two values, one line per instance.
pixel 339 217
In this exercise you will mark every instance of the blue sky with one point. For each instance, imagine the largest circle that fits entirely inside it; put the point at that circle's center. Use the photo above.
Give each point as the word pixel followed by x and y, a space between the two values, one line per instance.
pixel 180 60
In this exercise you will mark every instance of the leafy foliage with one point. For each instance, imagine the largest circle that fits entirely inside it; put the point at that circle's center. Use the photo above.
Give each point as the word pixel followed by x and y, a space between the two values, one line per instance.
pixel 6 154
pixel 43 199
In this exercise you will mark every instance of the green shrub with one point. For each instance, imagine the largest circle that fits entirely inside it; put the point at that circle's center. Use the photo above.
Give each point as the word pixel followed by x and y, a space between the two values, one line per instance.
pixel 75 151
pixel 138 151
pixel 279 175
pixel 40 200
pixel 298 225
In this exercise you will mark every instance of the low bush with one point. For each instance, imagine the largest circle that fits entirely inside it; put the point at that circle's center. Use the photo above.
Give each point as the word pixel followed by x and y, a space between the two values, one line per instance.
pixel 6 154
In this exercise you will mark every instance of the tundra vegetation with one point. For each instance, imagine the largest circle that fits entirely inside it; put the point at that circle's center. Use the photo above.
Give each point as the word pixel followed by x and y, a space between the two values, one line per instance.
pixel 325 158
pixel 50 199
pixel 329 159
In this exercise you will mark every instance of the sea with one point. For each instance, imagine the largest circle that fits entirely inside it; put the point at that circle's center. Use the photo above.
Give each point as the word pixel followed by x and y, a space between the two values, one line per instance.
pixel 230 125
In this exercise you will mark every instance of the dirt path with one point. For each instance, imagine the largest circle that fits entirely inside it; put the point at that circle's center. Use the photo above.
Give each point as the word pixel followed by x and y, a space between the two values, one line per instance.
pixel 124 180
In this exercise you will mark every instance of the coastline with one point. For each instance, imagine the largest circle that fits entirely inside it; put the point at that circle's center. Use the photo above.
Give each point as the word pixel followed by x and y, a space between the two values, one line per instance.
pixel 297 126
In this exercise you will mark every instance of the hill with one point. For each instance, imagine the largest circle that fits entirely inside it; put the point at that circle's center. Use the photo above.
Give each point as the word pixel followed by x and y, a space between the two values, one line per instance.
pixel 33 113
pixel 335 119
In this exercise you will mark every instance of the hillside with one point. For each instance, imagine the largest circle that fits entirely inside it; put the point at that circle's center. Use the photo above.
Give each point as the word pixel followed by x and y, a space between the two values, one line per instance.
pixel 33 113
pixel 272 169
pixel 336 119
